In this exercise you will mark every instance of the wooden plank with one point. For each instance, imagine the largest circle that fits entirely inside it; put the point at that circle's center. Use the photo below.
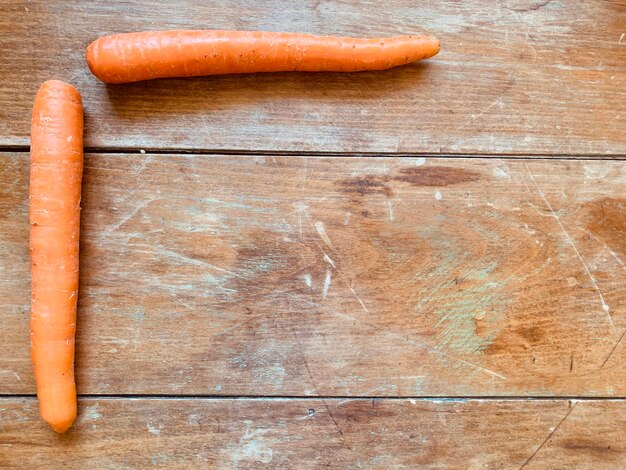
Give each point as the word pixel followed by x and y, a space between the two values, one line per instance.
pixel 518 76
pixel 307 433
pixel 335 276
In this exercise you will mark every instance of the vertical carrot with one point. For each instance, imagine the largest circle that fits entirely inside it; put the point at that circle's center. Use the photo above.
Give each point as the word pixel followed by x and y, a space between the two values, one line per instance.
pixel 56 170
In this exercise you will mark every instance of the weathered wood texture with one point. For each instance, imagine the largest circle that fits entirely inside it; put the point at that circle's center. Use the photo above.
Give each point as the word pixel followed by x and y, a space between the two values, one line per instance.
pixel 335 276
pixel 306 433
pixel 516 76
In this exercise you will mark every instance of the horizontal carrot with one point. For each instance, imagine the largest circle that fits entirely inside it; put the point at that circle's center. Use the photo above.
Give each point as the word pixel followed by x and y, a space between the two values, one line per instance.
pixel 132 57
pixel 56 168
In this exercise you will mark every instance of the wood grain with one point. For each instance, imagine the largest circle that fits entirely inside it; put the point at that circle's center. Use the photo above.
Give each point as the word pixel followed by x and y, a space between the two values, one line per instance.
pixel 307 433
pixel 517 76
pixel 335 276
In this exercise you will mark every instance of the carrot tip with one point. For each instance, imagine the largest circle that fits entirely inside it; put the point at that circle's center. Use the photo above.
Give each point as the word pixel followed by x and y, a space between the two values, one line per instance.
pixel 61 427
pixel 57 87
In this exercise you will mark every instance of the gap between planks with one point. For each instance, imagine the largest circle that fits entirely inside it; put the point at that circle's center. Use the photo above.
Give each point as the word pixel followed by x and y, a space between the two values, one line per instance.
pixel 268 153
pixel 326 397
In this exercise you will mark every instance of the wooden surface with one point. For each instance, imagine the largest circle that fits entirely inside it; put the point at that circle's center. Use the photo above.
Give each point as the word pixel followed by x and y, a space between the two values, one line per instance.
pixel 513 76
pixel 316 433
pixel 244 304
pixel 337 276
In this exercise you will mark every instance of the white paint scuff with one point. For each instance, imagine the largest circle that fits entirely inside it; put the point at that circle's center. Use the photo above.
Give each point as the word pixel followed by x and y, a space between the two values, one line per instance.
pixel 155 431
pixel 329 260
pixel 327 281
pixel 438 196
pixel 321 231
pixel 91 413
pixel 593 171
pixel 253 447
pixel 500 172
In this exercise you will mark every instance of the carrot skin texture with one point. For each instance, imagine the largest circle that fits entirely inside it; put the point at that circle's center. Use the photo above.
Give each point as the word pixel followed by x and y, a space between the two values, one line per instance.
pixel 132 57
pixel 55 189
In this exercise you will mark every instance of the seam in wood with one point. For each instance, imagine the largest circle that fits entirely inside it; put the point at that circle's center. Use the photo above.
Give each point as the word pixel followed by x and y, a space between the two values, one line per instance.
pixel 287 153
pixel 504 398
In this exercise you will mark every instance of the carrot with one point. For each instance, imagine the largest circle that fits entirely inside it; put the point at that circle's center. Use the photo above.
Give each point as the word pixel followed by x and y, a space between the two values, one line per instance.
pixel 132 57
pixel 56 159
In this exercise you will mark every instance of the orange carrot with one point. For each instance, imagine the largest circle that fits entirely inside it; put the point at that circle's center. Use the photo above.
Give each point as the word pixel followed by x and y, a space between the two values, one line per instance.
pixel 132 57
pixel 56 168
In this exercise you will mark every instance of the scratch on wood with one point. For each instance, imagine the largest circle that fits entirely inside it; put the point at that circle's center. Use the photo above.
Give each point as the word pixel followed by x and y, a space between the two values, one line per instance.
pixel 530 7
pixel 314 385
pixel 549 436
pixel 301 205
pixel 333 418
pixel 326 257
pixel 197 262
pixel 426 347
pixel 613 350
pixel 604 245
pixel 304 175
pixel 473 117
pixel 343 441
pixel 126 218
pixel 605 307
pixel 359 299
pixel 526 184
pixel 226 330
pixel 141 168
pixel 304 360
pixel 207 131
